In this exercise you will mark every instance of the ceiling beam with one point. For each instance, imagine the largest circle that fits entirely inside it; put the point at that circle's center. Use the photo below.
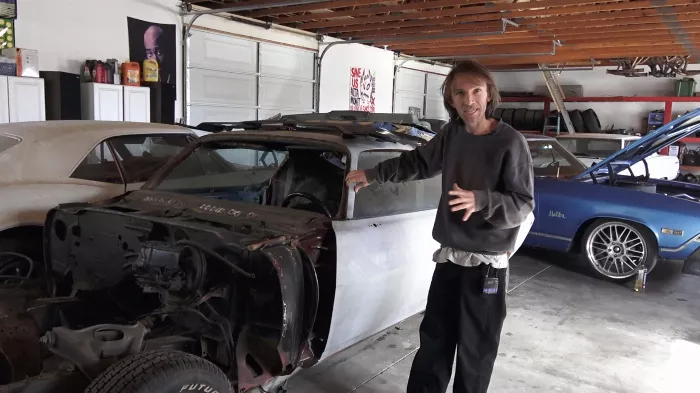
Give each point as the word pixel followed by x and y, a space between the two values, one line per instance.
pixel 484 12
pixel 541 49
pixel 675 27
pixel 675 50
pixel 532 37
pixel 448 22
pixel 405 7
pixel 527 24
pixel 328 5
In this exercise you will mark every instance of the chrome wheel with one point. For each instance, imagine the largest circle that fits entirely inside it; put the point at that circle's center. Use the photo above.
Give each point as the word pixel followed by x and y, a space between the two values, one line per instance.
pixel 616 249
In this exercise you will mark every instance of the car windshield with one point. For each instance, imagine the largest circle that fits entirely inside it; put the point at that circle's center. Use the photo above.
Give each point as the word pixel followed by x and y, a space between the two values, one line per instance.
pixel 550 159
pixel 591 147
pixel 7 141
pixel 261 174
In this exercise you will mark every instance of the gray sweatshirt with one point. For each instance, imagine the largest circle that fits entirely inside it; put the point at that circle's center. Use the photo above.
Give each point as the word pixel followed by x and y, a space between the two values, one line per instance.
pixel 497 167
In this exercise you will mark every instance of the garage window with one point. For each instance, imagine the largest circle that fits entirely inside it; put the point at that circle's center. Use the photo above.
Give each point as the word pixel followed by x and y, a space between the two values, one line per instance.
pixel 7 141
pixel 394 198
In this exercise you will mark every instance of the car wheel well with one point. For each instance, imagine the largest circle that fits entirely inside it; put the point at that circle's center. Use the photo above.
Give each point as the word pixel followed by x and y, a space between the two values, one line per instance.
pixel 576 245
pixel 15 239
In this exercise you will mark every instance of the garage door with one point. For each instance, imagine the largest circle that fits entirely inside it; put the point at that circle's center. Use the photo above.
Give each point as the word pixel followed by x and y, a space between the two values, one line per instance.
pixel 235 79
pixel 418 90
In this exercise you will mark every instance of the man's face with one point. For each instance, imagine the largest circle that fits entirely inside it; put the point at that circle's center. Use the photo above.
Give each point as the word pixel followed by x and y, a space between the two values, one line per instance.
pixel 151 41
pixel 469 98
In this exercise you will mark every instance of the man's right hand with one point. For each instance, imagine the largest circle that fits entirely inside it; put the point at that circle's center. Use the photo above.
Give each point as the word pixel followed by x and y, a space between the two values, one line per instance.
pixel 359 178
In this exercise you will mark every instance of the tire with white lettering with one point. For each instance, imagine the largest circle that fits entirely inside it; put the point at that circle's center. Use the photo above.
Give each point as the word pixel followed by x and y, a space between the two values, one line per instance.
pixel 161 371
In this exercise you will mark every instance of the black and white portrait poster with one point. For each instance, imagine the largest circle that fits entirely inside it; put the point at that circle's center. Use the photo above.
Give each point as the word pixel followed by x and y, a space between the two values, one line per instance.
pixel 155 41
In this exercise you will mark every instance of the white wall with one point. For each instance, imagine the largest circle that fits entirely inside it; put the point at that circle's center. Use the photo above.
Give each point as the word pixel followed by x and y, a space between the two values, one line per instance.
pixel 335 75
pixel 598 83
pixel 68 32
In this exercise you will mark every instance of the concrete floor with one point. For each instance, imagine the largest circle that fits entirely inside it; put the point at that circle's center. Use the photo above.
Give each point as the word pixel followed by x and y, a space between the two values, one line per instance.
pixel 565 332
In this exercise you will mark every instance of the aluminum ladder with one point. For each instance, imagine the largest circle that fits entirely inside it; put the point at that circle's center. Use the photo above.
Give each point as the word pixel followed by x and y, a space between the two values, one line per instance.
pixel 557 94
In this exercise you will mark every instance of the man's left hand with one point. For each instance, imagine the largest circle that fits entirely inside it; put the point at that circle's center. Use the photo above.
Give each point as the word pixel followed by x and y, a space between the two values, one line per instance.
pixel 462 200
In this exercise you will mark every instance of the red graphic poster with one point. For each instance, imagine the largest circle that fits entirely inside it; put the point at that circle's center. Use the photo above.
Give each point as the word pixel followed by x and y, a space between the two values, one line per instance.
pixel 362 89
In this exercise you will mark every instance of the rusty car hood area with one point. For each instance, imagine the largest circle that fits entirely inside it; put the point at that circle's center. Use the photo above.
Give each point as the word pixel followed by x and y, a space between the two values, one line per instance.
pixel 230 281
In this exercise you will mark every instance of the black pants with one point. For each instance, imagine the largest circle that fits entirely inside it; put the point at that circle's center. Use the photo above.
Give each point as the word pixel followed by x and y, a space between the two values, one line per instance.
pixel 458 316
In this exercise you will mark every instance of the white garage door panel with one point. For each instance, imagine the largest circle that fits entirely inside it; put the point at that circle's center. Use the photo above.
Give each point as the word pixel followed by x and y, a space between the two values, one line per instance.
pixel 286 93
pixel 434 85
pixel 410 81
pixel 222 52
pixel 284 61
pixel 435 109
pixel 405 100
pixel 203 113
pixel 217 87
pixel 233 79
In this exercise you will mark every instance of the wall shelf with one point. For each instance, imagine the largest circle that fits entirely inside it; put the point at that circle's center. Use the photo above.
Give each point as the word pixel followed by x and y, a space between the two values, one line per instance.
pixel 667 100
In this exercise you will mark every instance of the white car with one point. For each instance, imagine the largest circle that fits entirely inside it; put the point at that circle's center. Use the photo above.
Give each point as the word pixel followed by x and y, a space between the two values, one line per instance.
pixel 52 162
pixel 590 148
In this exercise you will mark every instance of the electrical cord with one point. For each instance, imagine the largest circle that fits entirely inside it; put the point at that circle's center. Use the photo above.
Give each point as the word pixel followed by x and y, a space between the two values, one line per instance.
pixel 22 257
pixel 215 255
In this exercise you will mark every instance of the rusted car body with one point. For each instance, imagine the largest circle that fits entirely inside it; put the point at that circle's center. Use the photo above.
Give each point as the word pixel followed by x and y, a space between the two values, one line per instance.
pixel 246 249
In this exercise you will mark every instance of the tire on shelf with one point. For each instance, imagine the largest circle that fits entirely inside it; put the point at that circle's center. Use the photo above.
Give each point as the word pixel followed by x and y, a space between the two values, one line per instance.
pixel 497 113
pixel 519 118
pixel 530 124
pixel 507 115
pixel 591 121
pixel 577 120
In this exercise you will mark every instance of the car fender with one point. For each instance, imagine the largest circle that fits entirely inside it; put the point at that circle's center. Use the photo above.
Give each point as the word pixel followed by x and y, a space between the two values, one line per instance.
pixel 28 203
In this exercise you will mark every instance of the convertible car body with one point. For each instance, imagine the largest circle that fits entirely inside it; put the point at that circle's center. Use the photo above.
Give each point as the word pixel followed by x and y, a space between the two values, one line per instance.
pixel 619 223
pixel 247 250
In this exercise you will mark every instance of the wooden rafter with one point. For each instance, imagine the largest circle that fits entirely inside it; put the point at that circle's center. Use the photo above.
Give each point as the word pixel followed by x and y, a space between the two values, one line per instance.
pixel 600 29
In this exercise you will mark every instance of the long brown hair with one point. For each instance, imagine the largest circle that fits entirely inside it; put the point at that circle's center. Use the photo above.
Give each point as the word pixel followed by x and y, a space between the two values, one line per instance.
pixel 475 69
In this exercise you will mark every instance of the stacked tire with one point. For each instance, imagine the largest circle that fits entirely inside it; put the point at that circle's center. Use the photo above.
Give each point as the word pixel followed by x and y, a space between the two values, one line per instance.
pixel 524 119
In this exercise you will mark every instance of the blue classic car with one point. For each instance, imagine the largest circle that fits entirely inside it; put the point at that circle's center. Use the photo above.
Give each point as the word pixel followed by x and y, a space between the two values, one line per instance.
pixel 617 222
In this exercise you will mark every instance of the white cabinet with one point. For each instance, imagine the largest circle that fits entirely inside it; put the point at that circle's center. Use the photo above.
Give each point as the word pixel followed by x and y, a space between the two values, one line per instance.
pixel 22 99
pixel 4 101
pixel 101 101
pixel 137 104
pixel 26 99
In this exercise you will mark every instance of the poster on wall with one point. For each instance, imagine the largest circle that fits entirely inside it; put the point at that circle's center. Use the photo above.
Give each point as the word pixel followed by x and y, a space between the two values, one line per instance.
pixel 362 89
pixel 155 41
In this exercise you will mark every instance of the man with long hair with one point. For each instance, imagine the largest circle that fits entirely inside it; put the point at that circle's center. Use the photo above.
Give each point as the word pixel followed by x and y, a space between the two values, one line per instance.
pixel 487 181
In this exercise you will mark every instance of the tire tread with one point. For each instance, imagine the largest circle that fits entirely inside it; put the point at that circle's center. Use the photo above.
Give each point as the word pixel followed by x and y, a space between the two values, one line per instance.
pixel 133 371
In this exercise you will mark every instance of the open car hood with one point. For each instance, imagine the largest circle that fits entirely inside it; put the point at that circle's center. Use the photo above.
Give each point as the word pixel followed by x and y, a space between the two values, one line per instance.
pixel 644 147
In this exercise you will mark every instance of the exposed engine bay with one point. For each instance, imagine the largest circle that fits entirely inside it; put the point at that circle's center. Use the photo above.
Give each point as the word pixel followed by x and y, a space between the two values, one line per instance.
pixel 212 266
pixel 644 183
